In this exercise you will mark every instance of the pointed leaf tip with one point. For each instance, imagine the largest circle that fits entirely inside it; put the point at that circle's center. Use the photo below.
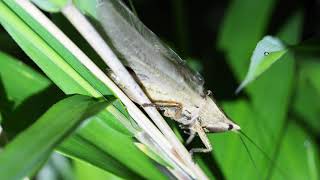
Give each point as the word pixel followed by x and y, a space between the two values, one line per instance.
pixel 268 50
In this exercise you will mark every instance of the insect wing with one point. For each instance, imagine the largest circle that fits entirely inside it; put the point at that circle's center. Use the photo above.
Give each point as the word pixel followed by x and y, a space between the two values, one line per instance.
pixel 136 45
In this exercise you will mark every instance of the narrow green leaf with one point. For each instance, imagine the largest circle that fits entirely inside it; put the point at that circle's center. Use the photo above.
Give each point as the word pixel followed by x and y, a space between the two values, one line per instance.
pixel 267 52
pixel 45 57
pixel 33 146
pixel 73 78
pixel 108 141
pixel 79 146
pixel 57 62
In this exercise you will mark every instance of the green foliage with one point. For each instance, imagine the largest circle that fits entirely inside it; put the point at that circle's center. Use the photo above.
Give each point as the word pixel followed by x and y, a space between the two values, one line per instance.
pixel 28 151
pixel 280 114
pixel 306 103
pixel 106 136
pixel 265 118
pixel 85 171
pixel 267 51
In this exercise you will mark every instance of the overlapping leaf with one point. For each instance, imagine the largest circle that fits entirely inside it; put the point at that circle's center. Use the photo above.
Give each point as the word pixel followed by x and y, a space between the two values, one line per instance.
pixel 31 148
pixel 67 73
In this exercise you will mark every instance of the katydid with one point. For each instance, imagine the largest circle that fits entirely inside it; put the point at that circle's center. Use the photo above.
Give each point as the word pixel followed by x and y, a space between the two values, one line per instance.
pixel 171 86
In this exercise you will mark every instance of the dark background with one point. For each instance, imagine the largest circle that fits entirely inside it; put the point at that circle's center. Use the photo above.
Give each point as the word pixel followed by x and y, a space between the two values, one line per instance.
pixel 192 27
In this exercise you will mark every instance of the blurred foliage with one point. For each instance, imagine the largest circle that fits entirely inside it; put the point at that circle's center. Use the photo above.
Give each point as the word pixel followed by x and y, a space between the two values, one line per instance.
pixel 279 110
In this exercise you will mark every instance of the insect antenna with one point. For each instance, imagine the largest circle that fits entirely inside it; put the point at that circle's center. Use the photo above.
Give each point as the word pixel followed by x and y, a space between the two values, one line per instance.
pixel 248 151
pixel 262 151
pixel 256 145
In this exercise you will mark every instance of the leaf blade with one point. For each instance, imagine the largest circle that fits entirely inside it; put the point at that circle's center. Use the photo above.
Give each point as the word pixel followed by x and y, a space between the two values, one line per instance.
pixel 30 148
pixel 268 51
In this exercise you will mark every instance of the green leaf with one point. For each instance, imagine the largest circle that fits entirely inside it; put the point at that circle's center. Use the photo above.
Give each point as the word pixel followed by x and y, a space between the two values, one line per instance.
pixel 264 116
pixel 88 7
pixel 19 100
pixel 107 140
pixel 71 82
pixel 153 155
pixel 57 166
pixel 51 5
pixel 72 77
pixel 82 149
pixel 298 157
pixel 23 76
pixel 85 171
pixel 311 69
pixel 306 105
pixel 56 61
pixel 47 58
pixel 287 158
pixel 79 146
pixel 267 52
pixel 241 31
pixel 32 147
pixel 206 168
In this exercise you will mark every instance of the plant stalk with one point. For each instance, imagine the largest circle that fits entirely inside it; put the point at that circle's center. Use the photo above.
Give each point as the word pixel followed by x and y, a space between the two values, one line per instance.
pixel 104 51
pixel 134 111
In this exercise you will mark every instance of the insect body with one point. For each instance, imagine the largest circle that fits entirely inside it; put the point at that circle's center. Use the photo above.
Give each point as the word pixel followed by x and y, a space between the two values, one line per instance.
pixel 163 75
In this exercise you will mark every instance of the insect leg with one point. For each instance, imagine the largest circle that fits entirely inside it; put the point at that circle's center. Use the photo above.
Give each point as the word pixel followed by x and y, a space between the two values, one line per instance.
pixel 163 104
pixel 204 139
pixel 191 137
pixel 185 121
pixel 171 109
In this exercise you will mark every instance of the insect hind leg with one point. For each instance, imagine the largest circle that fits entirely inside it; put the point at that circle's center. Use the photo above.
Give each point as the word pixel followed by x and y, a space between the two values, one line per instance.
pixel 162 104
pixel 171 109
pixel 204 138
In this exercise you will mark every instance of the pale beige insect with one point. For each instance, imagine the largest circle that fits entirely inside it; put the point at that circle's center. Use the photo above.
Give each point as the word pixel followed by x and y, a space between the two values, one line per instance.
pixel 169 83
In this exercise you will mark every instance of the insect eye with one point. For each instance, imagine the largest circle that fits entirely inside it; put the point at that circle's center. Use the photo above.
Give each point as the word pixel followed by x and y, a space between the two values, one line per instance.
pixel 266 53
pixel 230 127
